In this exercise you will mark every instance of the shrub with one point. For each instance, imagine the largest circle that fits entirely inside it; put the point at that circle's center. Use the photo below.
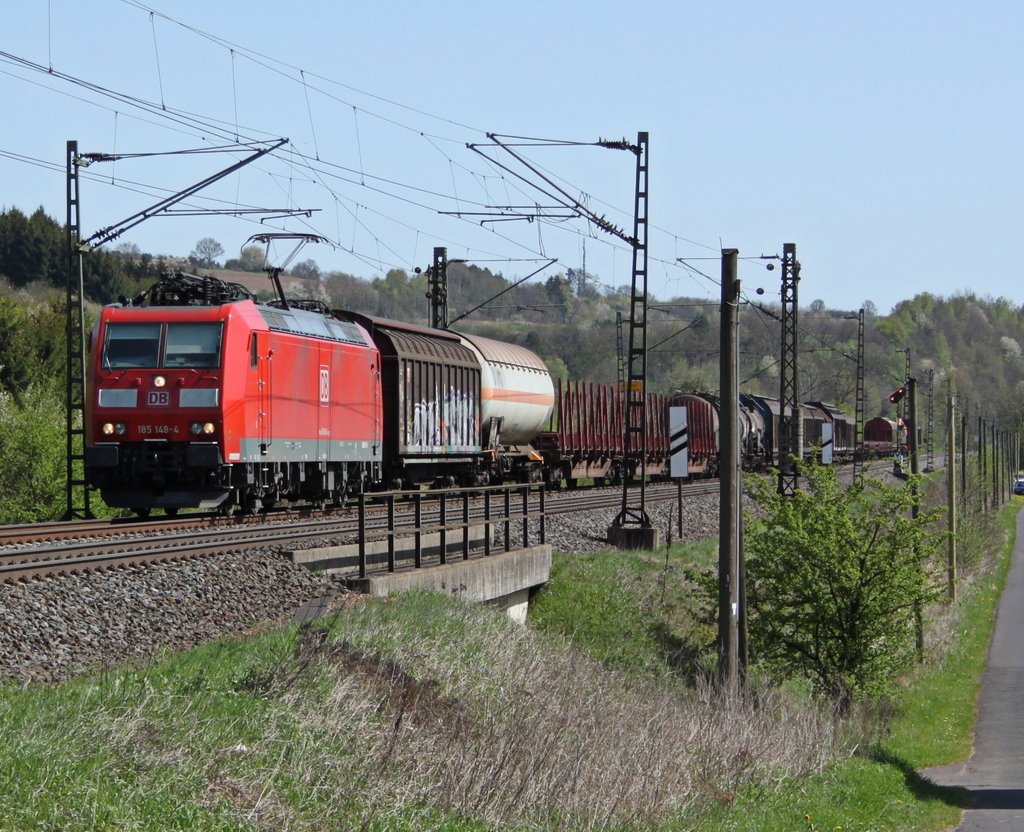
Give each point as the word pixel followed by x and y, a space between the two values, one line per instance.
pixel 32 456
pixel 836 579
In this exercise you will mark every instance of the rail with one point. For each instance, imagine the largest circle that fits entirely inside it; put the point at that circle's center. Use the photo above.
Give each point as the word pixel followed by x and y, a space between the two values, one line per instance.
pixel 529 506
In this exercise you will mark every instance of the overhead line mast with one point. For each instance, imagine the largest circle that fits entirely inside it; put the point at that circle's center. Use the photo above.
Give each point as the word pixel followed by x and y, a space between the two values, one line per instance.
pixel 76 508
pixel 790 421
pixel 632 527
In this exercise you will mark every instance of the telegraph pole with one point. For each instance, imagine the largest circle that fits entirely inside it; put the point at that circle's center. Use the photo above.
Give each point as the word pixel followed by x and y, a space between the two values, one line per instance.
pixel 930 424
pixel 982 451
pixel 731 615
pixel 995 467
pixel 951 488
pixel 915 510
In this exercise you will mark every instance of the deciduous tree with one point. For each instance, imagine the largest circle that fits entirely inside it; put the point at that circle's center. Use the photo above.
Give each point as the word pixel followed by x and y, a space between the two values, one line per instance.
pixel 206 252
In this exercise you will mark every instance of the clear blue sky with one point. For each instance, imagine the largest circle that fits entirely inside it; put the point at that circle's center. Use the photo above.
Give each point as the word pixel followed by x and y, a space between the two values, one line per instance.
pixel 883 139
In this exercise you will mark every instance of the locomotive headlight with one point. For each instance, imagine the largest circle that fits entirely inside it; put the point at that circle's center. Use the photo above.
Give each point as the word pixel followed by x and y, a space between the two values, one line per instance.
pixel 207 428
pixel 159 381
pixel 114 429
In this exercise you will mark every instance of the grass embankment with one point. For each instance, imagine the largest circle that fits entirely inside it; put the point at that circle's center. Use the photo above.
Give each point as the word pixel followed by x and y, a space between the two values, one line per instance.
pixel 875 786
pixel 422 713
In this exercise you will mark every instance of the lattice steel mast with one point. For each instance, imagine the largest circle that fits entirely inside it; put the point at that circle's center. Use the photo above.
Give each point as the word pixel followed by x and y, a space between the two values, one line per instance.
pixel 76 507
pixel 790 423
pixel 634 512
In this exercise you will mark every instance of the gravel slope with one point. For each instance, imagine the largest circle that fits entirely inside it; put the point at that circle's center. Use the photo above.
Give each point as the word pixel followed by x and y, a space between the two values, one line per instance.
pixel 54 629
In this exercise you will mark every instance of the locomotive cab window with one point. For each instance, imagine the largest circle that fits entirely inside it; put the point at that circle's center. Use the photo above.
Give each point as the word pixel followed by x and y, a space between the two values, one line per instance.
pixel 131 346
pixel 138 346
pixel 192 345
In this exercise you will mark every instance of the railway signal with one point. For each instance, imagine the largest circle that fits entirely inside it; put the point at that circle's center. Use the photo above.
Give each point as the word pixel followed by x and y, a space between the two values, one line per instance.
pixel 898 394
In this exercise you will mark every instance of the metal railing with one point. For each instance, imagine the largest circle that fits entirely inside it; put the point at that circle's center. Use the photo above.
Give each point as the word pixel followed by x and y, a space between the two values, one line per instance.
pixel 493 507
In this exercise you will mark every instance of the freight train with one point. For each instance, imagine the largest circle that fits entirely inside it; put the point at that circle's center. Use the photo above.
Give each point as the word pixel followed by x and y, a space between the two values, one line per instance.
pixel 203 397
pixel 588 440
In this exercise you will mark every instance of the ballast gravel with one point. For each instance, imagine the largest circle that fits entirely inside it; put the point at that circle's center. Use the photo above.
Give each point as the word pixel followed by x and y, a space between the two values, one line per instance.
pixel 55 629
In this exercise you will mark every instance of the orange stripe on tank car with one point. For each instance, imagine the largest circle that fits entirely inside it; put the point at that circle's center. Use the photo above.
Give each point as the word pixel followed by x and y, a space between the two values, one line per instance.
pixel 497 394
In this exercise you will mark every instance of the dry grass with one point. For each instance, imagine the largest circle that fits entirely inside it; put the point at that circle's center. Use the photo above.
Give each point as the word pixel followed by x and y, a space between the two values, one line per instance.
pixel 517 731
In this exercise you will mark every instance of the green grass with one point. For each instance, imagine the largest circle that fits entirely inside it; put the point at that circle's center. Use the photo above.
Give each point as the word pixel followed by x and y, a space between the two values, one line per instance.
pixel 630 610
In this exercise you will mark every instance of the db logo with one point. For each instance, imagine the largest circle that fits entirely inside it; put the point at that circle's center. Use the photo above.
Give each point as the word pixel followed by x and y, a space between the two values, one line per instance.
pixel 158 397
pixel 325 384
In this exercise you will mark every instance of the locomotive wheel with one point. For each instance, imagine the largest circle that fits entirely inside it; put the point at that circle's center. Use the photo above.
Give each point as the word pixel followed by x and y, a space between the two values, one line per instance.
pixel 141 512
pixel 171 512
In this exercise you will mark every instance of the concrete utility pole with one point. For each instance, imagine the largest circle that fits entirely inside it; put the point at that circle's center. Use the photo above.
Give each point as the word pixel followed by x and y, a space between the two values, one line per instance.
pixel 930 424
pixel 981 464
pixel 731 601
pixel 915 469
pixel 951 488
pixel 995 467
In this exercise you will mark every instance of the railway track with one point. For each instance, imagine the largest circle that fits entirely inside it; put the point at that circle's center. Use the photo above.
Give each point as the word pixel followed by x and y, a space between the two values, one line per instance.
pixel 39 551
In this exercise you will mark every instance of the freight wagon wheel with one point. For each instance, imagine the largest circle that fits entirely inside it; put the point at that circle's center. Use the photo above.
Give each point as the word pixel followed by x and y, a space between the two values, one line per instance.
pixel 171 512
pixel 141 512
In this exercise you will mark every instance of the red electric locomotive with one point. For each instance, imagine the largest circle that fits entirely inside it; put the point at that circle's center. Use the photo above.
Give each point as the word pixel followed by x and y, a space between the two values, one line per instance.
pixel 205 399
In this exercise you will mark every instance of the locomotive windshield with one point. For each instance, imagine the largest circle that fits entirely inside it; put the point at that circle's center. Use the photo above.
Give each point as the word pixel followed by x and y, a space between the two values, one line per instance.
pixel 192 345
pixel 130 346
pixel 155 345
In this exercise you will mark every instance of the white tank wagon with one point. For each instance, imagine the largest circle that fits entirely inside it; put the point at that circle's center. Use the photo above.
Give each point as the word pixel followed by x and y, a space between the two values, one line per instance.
pixel 517 395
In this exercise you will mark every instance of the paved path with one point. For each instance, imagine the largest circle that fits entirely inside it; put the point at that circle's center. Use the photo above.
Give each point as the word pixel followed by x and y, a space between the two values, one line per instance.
pixel 995 773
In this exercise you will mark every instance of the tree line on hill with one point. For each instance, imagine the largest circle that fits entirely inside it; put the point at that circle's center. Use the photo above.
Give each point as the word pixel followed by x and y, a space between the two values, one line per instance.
pixel 571 319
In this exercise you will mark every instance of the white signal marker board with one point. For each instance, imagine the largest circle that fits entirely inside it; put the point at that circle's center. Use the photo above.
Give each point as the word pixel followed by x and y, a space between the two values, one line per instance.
pixel 679 443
